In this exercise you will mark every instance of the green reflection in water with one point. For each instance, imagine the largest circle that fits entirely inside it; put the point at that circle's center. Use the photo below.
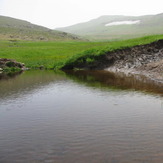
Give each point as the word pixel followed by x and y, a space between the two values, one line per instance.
pixel 27 81
pixel 102 80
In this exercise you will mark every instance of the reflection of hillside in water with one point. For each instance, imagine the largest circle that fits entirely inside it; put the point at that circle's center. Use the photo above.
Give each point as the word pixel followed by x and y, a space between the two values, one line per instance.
pixel 104 79
pixel 28 81
pixel 6 76
pixel 31 81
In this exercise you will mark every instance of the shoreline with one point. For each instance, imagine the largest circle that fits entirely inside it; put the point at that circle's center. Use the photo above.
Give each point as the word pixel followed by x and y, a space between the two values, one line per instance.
pixel 144 59
pixel 150 71
pixel 156 77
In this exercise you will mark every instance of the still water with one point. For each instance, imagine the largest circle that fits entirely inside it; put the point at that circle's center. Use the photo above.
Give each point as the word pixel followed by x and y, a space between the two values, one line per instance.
pixel 80 117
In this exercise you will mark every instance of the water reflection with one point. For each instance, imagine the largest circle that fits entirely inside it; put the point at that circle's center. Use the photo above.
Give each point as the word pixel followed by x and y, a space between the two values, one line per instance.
pixel 5 76
pixel 105 79
pixel 80 116
pixel 27 82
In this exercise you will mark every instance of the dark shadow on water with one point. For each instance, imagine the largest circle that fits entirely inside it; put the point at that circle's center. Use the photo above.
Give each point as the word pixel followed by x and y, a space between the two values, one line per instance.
pixel 105 79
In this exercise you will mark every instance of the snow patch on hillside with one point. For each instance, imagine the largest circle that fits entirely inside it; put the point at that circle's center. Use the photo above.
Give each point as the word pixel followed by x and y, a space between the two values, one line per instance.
pixel 123 23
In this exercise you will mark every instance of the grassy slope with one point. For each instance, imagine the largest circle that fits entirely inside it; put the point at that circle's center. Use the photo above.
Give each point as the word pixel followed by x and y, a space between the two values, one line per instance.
pixel 91 55
pixel 96 29
pixel 59 54
pixel 11 29
pixel 49 54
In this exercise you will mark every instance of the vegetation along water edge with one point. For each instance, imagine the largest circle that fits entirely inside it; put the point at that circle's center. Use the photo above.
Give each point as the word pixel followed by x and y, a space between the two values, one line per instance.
pixel 134 55
pixel 141 56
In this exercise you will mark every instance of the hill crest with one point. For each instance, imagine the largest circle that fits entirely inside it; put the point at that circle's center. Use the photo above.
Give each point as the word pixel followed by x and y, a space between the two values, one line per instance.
pixel 97 28
pixel 12 28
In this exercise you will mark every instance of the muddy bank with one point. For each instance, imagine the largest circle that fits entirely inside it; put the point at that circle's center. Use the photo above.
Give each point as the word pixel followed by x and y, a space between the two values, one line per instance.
pixel 142 59
pixel 10 65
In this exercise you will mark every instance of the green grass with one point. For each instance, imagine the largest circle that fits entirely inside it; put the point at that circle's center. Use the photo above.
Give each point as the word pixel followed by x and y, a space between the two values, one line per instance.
pixel 48 54
pixel 59 54
pixel 93 54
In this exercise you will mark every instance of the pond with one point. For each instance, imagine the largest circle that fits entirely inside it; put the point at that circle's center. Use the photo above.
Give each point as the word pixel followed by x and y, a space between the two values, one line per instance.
pixel 80 117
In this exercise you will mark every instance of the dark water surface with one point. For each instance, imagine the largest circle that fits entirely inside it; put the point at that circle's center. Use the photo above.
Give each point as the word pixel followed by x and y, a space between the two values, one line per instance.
pixel 80 117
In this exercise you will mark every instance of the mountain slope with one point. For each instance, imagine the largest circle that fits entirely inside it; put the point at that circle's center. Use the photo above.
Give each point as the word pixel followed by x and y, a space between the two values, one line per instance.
pixel 11 28
pixel 116 27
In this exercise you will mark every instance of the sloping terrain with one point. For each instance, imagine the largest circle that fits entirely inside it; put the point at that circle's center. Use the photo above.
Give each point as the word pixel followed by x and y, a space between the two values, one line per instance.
pixel 118 27
pixel 15 29
pixel 143 56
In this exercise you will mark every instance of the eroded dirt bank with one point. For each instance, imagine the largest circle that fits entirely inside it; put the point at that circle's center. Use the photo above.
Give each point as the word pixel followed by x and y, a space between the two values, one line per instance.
pixel 142 59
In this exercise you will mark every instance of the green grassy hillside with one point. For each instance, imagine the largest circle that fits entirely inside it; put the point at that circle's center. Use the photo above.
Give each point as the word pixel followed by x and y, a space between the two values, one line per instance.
pixel 60 54
pixel 47 54
pixel 96 29
pixel 15 29
pixel 92 55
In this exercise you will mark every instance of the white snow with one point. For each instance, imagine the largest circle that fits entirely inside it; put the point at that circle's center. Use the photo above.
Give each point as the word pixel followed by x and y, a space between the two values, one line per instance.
pixel 123 23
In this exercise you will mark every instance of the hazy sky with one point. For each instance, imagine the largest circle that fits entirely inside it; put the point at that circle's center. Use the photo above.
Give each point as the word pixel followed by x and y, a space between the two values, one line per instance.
pixel 58 13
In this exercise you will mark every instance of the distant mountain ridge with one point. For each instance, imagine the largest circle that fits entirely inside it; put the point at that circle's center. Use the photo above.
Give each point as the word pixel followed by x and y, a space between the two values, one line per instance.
pixel 11 28
pixel 99 29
